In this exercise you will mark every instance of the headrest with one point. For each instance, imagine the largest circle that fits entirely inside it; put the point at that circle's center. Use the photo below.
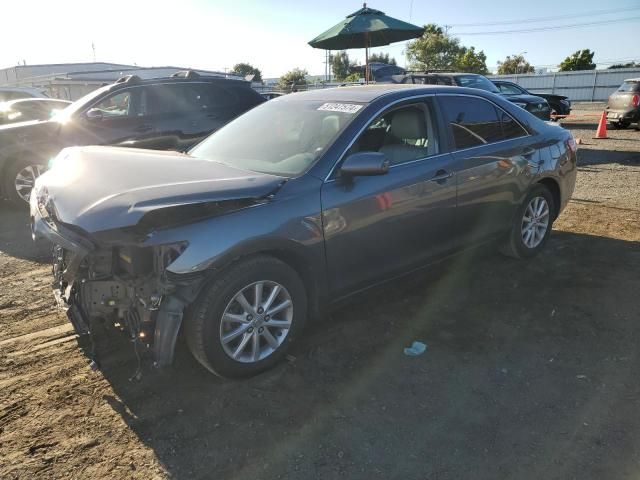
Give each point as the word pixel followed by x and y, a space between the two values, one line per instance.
pixel 408 124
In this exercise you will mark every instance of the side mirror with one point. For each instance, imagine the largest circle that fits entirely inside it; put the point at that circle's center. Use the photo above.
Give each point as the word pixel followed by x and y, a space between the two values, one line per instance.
pixel 365 164
pixel 94 114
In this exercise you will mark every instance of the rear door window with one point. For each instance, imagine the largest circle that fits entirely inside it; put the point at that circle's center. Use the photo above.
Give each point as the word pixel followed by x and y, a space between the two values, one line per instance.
pixel 510 128
pixel 174 99
pixel 472 121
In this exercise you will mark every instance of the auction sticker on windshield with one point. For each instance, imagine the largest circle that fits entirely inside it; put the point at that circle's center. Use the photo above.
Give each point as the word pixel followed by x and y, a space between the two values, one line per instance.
pixel 340 107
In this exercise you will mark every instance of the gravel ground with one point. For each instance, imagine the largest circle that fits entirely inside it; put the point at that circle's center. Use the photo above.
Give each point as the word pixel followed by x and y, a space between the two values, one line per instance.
pixel 530 372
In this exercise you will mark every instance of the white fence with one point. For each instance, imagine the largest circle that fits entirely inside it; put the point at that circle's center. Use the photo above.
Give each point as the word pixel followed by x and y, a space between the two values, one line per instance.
pixel 587 85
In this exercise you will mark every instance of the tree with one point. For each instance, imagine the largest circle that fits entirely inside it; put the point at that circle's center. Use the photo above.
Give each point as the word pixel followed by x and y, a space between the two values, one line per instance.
pixel 434 50
pixel 514 65
pixel 470 61
pixel 382 58
pixel 579 60
pixel 624 65
pixel 341 65
pixel 353 77
pixel 244 69
pixel 437 50
pixel 293 78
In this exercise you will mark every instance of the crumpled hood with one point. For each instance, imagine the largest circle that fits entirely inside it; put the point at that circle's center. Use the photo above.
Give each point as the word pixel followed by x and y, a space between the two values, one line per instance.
pixel 102 188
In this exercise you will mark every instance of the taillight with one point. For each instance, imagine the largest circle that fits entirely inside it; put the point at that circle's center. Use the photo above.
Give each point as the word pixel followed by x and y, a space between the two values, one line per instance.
pixel 635 100
pixel 572 145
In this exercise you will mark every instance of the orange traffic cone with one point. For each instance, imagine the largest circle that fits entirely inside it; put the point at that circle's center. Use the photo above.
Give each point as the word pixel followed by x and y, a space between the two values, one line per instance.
pixel 601 132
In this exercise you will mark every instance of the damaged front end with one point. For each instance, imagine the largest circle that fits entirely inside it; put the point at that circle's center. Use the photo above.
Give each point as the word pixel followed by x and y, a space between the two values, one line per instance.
pixel 129 287
pixel 116 235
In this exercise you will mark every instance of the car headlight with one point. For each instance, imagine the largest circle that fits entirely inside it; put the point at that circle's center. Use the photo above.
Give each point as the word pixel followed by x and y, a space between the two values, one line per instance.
pixel 521 105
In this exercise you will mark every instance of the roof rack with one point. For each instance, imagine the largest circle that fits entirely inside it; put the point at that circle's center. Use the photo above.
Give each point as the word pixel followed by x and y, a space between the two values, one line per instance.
pixel 185 74
pixel 128 79
pixel 423 72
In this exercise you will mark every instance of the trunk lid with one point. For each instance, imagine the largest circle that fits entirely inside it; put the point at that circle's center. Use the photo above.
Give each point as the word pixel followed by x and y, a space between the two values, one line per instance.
pixel 102 188
pixel 621 100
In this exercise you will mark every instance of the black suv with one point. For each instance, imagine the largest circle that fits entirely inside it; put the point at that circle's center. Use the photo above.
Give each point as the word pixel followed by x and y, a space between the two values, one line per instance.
pixel 171 113
pixel 537 106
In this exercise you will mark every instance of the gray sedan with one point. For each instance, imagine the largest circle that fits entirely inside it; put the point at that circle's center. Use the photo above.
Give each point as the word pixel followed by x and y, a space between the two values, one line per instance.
pixel 297 204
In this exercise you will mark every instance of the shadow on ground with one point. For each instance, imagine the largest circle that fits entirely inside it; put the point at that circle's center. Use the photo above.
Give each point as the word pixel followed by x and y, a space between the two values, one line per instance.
pixel 15 235
pixel 601 157
pixel 530 372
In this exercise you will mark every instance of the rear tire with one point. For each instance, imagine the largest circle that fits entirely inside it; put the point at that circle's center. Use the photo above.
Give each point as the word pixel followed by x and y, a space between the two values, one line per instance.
pixel 224 334
pixel 532 224
pixel 19 178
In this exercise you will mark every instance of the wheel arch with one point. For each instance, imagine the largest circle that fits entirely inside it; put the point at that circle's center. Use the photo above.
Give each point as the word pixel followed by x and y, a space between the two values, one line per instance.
pixel 554 188
pixel 293 255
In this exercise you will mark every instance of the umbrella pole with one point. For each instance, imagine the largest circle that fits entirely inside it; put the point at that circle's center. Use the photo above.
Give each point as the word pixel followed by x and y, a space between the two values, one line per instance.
pixel 366 68
pixel 366 57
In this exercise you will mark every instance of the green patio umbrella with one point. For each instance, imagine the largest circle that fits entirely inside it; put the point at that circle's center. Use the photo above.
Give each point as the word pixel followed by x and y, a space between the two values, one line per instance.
pixel 366 28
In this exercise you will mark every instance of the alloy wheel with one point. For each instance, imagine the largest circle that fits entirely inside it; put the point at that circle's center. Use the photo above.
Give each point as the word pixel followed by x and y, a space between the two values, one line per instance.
pixel 25 180
pixel 535 222
pixel 256 321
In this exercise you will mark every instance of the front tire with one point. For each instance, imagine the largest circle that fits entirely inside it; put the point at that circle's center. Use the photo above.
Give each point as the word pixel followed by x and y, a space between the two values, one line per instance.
pixel 245 320
pixel 532 224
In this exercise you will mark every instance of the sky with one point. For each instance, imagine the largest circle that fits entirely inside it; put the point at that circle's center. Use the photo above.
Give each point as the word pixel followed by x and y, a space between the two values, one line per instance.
pixel 273 35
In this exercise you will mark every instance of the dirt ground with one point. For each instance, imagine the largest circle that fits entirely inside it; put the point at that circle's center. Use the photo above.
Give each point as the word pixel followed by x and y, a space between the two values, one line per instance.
pixel 530 372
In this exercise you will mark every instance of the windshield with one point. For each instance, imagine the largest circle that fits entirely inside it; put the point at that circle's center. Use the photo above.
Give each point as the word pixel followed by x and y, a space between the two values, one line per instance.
pixel 476 81
pixel 281 137
pixel 66 113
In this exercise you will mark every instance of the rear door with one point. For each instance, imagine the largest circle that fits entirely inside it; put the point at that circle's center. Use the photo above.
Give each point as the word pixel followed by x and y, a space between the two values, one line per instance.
pixel 224 102
pixel 376 227
pixel 174 110
pixel 493 157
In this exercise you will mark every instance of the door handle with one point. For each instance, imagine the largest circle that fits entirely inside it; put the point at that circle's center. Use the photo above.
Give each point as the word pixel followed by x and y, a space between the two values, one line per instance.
pixel 441 176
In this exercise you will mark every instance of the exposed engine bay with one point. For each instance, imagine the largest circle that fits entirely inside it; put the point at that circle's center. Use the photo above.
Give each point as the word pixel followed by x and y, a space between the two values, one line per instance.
pixel 128 287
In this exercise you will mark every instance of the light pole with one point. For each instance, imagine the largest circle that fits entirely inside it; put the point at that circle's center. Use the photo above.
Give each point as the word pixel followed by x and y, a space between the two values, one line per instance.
pixel 518 62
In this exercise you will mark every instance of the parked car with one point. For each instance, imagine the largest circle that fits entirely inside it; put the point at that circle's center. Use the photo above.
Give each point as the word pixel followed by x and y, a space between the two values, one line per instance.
pixel 14 93
pixel 290 208
pixel 623 107
pixel 26 109
pixel 560 105
pixel 271 95
pixel 163 113
pixel 533 104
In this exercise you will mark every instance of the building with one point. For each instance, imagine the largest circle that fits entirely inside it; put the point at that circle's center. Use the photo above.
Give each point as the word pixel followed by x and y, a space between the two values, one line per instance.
pixel 71 81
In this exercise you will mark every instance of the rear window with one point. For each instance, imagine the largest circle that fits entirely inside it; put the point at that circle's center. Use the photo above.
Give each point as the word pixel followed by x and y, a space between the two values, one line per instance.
pixel 629 87
pixel 476 81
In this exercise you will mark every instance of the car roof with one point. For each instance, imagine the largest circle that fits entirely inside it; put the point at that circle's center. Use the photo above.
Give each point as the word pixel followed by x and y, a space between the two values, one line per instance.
pixel 197 79
pixel 633 79
pixel 443 74
pixel 369 93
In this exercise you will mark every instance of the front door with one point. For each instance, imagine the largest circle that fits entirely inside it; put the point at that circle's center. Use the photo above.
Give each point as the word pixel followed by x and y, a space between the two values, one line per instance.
pixel 380 226
pixel 119 119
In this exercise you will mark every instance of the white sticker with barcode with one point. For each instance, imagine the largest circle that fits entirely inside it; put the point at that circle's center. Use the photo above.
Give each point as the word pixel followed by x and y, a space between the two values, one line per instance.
pixel 340 107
